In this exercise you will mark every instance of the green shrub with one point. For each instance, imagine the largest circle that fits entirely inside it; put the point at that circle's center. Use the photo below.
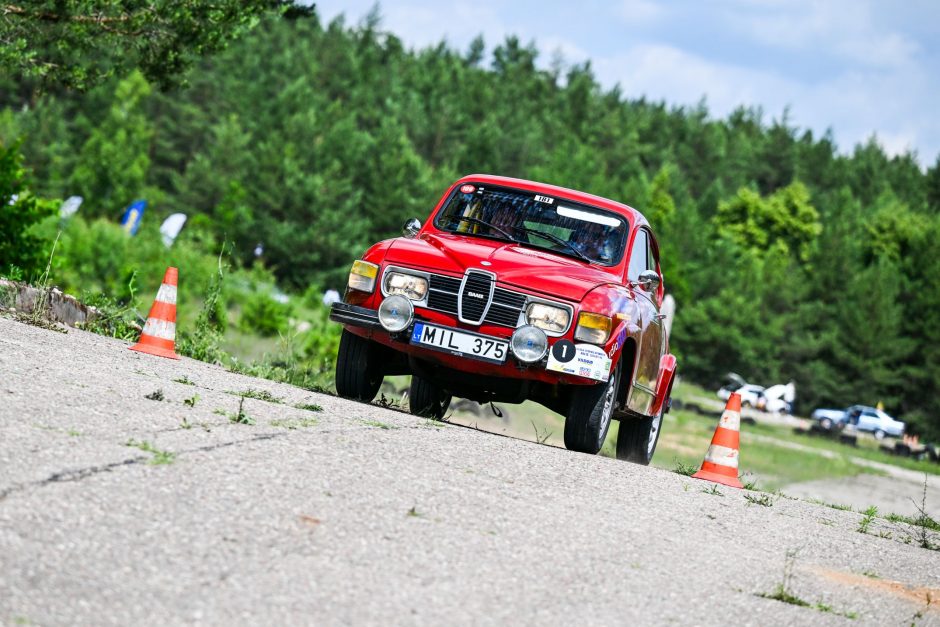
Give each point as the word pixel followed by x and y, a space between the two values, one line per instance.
pixel 264 315
pixel 20 244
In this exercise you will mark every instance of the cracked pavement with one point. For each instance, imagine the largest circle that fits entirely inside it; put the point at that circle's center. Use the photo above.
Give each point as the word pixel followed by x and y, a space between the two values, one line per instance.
pixel 363 515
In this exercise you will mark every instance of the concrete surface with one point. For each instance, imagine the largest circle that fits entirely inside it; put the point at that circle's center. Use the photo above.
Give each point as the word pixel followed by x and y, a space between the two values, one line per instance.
pixel 361 515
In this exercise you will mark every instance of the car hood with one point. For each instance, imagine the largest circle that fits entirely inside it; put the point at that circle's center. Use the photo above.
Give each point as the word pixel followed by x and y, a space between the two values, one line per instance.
pixel 521 266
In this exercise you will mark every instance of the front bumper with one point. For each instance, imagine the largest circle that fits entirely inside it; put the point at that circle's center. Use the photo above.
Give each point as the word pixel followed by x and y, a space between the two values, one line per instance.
pixel 365 322
pixel 354 315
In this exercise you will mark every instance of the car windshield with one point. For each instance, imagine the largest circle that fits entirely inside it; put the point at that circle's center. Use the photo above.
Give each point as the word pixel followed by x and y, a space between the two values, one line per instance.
pixel 536 220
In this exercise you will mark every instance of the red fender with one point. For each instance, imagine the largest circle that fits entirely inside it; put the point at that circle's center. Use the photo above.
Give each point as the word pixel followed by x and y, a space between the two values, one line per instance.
pixel 667 370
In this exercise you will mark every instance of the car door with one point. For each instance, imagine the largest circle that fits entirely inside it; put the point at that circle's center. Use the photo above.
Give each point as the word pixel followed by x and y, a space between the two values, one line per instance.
pixel 650 345
pixel 869 421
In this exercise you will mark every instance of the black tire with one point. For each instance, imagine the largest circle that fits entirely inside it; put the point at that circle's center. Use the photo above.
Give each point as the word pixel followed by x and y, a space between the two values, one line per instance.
pixel 826 424
pixel 638 437
pixel 358 372
pixel 426 399
pixel 589 415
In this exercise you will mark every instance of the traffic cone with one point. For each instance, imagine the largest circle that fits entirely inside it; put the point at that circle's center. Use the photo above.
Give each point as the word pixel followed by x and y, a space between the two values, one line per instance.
pixel 721 460
pixel 159 334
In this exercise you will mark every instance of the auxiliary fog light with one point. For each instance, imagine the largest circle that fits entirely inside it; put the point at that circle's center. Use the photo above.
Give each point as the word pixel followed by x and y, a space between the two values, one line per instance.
pixel 396 313
pixel 529 343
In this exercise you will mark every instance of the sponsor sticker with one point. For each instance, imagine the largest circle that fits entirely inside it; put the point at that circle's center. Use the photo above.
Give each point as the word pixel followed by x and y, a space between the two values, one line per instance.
pixel 582 360
pixel 548 200
pixel 467 189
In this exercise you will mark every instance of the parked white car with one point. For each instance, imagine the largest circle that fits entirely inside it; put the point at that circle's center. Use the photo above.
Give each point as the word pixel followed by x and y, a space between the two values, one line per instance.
pixel 751 395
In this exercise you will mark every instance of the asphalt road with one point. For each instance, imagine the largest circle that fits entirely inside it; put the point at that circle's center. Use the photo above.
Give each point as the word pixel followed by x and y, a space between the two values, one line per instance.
pixel 361 515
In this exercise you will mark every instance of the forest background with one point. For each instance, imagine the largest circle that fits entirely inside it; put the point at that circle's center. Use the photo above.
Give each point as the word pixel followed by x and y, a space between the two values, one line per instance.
pixel 789 259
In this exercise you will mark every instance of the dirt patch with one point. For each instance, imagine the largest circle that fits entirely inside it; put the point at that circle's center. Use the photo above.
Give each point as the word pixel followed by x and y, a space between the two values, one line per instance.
pixel 928 597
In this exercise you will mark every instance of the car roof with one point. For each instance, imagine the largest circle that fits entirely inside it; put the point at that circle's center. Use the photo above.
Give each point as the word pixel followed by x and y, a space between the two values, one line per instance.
pixel 553 190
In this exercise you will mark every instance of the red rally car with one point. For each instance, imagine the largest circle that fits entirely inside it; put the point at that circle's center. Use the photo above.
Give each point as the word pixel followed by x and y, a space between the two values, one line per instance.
pixel 512 291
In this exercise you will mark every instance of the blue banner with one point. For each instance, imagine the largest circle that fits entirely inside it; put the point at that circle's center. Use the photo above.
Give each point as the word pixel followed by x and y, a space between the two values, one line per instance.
pixel 130 222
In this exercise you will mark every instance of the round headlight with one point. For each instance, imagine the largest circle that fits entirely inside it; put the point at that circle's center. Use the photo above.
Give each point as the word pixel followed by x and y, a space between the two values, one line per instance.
pixel 396 313
pixel 529 344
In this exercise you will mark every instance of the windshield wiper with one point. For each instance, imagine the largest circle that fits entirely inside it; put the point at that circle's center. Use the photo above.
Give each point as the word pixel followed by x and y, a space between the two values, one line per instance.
pixel 486 224
pixel 557 240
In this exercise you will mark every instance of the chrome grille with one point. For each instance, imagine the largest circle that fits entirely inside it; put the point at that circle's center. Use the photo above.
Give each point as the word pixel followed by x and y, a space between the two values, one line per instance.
pixel 476 293
pixel 505 305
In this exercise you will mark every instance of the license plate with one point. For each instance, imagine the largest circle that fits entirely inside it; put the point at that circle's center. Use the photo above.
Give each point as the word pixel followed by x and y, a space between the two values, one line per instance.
pixel 460 342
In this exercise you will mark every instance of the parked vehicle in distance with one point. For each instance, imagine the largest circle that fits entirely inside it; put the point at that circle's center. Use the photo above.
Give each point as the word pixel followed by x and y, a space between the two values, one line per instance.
pixel 751 395
pixel 861 417
pixel 515 290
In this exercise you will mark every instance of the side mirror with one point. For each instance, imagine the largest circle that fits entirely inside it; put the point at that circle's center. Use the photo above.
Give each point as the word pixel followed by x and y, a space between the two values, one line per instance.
pixel 411 228
pixel 648 280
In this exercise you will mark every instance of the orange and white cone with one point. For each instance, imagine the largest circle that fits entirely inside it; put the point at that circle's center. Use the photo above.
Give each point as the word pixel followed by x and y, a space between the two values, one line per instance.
pixel 721 460
pixel 159 334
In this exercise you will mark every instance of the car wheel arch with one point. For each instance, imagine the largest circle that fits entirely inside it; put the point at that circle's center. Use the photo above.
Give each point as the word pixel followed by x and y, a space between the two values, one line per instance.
pixel 627 356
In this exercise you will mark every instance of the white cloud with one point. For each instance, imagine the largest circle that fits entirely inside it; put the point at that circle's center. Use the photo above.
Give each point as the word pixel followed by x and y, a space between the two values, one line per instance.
pixel 636 12
pixel 844 28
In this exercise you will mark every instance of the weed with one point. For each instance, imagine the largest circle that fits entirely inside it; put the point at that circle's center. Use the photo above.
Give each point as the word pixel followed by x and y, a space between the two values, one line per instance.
pixel 377 424
pixel 385 402
pixel 156 395
pixel 295 424
pixel 920 613
pixel 241 417
pixel 784 594
pixel 764 500
pixel 309 406
pixel 844 508
pixel 414 513
pixel 112 319
pixel 191 401
pixel 74 433
pixel 870 574
pixel 749 484
pixel 867 517
pixel 219 412
pixel 684 469
pixel 185 424
pixel 159 457
pixel 261 395
pixel 541 437
pixel 184 380
pixel 205 343
pixel 712 490
pixel 924 523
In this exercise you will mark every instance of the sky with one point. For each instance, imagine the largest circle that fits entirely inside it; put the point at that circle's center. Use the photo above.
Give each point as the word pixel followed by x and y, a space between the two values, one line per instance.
pixel 857 67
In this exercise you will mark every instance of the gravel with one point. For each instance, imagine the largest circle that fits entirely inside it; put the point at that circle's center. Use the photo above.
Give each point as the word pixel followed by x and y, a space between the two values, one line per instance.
pixel 364 515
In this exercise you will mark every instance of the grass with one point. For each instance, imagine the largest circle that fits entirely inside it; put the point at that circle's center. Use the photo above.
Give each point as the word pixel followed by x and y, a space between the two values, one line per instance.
pixel 241 417
pixel 297 423
pixel 784 593
pixel 191 401
pixel 156 395
pixel 763 499
pixel 378 425
pixel 159 458
pixel 713 490
pixel 184 380
pixel 868 516
pixel 684 469
pixel 308 407
pixel 261 395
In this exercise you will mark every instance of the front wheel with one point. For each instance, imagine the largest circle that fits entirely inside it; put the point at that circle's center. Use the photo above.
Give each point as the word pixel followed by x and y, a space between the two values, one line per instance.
pixel 426 399
pixel 637 438
pixel 358 373
pixel 589 415
pixel 880 435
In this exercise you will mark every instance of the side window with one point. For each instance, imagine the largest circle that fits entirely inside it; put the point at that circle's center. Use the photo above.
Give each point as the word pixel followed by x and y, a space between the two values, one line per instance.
pixel 638 256
pixel 651 258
